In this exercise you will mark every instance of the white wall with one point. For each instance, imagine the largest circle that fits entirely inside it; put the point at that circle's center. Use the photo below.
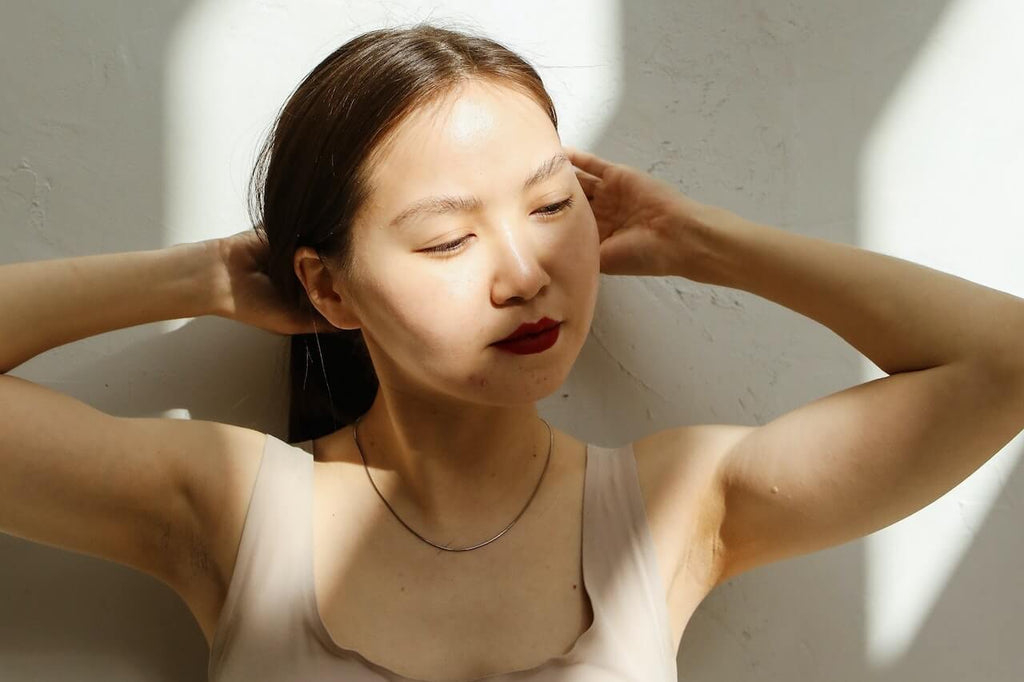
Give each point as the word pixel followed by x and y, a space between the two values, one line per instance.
pixel 894 126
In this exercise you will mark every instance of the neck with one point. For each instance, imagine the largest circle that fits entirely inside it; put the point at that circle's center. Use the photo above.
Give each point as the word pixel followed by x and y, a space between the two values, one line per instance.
pixel 467 467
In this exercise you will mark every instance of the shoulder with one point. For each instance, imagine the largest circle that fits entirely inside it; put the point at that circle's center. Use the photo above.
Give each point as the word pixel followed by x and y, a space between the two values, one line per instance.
pixel 306 445
pixel 679 469
pixel 687 454
pixel 219 485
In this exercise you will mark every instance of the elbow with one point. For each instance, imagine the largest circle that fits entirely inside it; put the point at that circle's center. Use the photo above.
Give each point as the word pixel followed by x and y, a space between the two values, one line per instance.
pixel 1005 362
pixel 1013 359
pixel 1007 373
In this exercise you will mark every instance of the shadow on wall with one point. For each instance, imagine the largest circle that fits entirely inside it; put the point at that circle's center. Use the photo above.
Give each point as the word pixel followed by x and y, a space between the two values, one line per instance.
pixel 717 100
pixel 83 172
pixel 766 111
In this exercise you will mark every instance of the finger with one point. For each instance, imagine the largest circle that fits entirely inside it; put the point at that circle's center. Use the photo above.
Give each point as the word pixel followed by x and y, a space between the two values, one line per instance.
pixel 588 182
pixel 590 163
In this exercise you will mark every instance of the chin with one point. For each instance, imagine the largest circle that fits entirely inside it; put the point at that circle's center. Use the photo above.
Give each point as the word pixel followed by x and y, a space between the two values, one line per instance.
pixel 516 387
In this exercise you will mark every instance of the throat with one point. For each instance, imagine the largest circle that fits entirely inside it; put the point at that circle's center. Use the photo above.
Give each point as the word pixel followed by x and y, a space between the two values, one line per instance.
pixel 463 509
pixel 464 494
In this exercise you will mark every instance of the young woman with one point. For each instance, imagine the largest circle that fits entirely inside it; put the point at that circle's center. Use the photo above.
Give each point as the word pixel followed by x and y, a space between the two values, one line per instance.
pixel 416 209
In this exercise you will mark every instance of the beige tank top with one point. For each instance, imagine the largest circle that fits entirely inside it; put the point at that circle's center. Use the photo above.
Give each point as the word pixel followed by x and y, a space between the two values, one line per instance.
pixel 270 628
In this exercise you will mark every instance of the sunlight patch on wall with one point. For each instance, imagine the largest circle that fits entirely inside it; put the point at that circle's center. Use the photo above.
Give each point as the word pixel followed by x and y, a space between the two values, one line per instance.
pixel 233 63
pixel 940 177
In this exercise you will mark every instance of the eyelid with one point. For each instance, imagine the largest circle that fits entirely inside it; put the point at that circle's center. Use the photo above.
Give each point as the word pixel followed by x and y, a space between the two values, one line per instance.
pixel 564 203
pixel 558 206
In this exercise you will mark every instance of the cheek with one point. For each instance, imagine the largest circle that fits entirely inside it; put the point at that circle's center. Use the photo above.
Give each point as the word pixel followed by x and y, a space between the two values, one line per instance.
pixel 584 268
pixel 427 314
pixel 584 242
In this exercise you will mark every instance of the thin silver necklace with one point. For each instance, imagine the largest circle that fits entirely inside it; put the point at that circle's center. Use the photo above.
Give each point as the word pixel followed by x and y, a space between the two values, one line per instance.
pixel 454 549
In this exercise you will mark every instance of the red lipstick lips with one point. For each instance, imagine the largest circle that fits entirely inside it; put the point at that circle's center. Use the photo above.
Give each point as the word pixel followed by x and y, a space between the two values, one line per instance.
pixel 532 337
pixel 528 328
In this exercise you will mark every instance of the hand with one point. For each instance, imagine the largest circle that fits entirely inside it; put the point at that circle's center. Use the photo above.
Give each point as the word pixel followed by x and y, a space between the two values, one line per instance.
pixel 646 226
pixel 249 295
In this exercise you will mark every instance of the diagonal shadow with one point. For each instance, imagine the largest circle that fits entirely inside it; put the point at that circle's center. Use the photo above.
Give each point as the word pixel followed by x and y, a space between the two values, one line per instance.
pixel 765 111
pixel 973 631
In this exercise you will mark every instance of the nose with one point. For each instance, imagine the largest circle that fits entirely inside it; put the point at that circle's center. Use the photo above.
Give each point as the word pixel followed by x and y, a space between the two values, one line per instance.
pixel 518 272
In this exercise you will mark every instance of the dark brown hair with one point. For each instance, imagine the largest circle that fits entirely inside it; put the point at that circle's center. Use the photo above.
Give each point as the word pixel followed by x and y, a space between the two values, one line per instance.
pixel 310 182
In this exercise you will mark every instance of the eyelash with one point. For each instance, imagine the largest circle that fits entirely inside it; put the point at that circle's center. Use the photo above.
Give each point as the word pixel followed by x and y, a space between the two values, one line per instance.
pixel 453 247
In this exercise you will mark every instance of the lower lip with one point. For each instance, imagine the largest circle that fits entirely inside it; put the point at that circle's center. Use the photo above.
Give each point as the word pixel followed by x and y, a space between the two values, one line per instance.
pixel 531 344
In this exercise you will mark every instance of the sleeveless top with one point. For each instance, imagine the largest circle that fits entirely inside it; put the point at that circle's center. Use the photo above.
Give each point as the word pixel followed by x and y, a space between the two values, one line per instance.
pixel 270 628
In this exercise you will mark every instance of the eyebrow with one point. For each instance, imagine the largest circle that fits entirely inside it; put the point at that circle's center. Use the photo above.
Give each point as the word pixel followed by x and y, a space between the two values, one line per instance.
pixel 455 204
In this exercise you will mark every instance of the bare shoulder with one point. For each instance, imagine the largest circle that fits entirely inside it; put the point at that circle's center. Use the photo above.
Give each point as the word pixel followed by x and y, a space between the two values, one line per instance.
pixel 680 475
pixel 219 484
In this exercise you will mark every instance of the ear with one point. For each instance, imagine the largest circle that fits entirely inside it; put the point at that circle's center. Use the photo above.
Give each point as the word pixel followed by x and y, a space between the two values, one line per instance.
pixel 324 290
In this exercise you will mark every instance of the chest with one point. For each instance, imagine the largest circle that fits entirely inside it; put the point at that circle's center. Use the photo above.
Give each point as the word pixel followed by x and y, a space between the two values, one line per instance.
pixel 509 605
pixel 435 615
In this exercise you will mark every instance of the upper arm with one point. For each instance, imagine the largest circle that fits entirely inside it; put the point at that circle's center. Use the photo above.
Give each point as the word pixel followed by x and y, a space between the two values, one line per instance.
pixel 130 490
pixel 856 461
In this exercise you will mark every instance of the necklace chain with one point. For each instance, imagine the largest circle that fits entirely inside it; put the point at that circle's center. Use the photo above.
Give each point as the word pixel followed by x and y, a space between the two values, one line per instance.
pixel 355 435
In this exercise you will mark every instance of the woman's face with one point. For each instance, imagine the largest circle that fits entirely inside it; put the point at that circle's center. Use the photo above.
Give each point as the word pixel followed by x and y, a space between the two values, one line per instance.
pixel 515 254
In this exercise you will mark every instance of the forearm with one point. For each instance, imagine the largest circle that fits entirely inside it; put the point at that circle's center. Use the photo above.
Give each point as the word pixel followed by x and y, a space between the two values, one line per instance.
pixel 901 315
pixel 45 304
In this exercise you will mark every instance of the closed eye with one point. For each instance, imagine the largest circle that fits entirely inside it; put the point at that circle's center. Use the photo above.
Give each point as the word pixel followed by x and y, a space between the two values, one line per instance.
pixel 556 208
pixel 549 210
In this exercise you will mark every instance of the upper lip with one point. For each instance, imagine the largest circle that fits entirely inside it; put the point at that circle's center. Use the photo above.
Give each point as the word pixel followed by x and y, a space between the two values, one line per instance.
pixel 543 324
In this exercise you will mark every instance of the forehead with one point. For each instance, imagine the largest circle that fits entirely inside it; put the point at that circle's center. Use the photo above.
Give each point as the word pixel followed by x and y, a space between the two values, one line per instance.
pixel 480 136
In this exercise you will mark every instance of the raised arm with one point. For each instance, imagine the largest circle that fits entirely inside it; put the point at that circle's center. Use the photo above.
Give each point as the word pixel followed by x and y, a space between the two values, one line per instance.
pixel 859 460
pixel 854 462
pixel 123 489
pixel 45 304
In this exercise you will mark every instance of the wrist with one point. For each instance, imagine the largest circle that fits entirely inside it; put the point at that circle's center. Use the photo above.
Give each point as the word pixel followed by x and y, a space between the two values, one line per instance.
pixel 209 275
pixel 706 252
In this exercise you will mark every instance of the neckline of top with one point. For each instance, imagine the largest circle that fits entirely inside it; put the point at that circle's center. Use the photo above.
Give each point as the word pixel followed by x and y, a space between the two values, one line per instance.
pixel 328 641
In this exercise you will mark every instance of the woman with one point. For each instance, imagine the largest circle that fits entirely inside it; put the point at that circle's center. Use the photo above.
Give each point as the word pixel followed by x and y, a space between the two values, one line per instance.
pixel 415 200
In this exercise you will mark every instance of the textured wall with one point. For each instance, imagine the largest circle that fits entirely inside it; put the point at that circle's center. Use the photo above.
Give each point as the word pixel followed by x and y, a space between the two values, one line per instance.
pixel 131 126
